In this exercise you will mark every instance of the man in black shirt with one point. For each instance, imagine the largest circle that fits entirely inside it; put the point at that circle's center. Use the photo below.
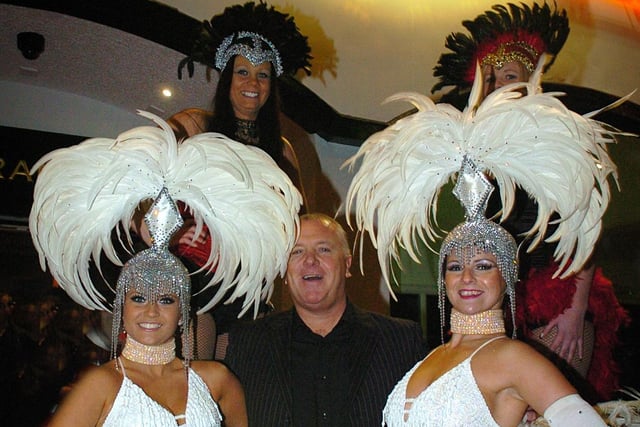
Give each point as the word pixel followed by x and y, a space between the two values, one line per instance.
pixel 325 362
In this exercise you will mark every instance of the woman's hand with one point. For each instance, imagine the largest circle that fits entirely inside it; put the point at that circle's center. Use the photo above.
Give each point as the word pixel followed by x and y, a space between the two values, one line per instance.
pixel 569 339
pixel 570 323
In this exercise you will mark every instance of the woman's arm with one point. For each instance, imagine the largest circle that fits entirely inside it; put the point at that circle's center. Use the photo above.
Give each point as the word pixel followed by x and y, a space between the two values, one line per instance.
pixel 542 386
pixel 85 404
pixel 226 389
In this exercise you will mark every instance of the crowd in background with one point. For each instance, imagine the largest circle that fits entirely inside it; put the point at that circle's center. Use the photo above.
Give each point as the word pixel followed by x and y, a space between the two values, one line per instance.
pixel 44 344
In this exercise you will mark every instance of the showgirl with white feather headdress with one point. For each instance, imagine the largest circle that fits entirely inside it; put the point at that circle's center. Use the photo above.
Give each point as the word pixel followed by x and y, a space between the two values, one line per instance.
pixel 85 192
pixel 530 141
pixel 559 157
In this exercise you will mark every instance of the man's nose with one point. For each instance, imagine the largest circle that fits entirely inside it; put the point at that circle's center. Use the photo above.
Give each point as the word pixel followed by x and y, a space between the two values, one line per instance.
pixel 310 258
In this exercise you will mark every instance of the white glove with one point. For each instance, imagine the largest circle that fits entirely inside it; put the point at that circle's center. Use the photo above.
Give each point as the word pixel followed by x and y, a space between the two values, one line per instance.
pixel 572 411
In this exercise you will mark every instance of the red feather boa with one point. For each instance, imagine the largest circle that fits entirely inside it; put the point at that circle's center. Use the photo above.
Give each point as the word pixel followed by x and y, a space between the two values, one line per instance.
pixel 541 298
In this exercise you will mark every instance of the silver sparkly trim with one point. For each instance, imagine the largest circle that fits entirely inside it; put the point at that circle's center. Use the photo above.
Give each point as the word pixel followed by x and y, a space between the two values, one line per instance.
pixel 163 219
pixel 256 48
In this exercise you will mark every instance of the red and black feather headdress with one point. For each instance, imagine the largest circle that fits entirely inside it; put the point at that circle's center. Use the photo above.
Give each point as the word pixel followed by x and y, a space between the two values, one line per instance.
pixel 502 34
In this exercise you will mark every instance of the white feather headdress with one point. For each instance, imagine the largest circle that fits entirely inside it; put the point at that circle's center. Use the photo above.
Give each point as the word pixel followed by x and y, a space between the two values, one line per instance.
pixel 84 192
pixel 533 141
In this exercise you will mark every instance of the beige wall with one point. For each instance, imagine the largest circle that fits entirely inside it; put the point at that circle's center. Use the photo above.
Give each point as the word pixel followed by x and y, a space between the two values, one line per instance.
pixel 366 50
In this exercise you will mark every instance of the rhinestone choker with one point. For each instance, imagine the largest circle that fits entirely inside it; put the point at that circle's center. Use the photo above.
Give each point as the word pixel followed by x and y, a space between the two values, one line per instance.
pixel 149 354
pixel 485 323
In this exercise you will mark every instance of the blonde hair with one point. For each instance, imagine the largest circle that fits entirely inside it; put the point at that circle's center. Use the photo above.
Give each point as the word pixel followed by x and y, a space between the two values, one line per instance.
pixel 333 225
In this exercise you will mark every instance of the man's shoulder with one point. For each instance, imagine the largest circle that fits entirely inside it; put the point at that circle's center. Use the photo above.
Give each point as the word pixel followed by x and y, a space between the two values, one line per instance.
pixel 258 326
pixel 387 321
pixel 399 341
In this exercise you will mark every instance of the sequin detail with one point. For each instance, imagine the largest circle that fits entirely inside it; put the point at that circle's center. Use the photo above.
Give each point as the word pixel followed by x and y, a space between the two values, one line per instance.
pixel 255 47
pixel 133 407
pixel 453 400
pixel 515 51
pixel 485 323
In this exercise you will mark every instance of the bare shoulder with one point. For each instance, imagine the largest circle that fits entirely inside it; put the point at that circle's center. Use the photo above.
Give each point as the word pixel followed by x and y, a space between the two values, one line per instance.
pixel 511 349
pixel 89 399
pixel 216 375
pixel 211 370
pixel 106 378
pixel 510 355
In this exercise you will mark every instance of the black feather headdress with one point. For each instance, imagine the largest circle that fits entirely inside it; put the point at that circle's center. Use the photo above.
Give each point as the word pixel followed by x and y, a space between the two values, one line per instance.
pixel 276 30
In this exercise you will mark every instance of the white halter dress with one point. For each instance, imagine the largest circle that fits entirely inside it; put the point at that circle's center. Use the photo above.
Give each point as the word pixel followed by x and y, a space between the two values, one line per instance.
pixel 133 407
pixel 453 400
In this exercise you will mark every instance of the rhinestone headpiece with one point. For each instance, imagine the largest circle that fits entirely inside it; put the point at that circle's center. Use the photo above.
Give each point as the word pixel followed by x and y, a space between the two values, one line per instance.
pixel 256 48
pixel 518 51
pixel 155 272
pixel 478 234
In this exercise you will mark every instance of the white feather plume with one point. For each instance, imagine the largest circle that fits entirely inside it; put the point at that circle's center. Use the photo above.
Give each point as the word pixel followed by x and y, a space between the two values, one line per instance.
pixel 533 141
pixel 83 192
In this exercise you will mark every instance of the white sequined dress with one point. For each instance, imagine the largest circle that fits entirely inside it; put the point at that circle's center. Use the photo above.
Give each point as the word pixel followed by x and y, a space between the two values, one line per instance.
pixel 453 400
pixel 133 407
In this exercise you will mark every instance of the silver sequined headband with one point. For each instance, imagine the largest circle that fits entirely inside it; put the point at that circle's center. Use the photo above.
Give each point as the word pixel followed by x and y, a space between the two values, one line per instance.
pixel 251 46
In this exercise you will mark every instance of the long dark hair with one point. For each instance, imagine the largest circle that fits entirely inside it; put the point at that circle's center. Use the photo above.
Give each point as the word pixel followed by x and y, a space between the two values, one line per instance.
pixel 268 122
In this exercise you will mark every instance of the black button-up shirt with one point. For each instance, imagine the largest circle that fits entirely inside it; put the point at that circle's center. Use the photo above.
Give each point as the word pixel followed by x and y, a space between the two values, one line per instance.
pixel 320 374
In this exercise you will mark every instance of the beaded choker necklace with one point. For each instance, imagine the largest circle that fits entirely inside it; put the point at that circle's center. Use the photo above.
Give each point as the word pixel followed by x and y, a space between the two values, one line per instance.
pixel 247 132
pixel 485 323
pixel 149 354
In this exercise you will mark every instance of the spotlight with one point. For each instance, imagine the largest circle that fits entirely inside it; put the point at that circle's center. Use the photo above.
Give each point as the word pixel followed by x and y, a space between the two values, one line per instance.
pixel 30 44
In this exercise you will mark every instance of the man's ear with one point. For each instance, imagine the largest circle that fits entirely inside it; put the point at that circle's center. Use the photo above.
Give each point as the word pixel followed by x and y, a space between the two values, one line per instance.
pixel 348 264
